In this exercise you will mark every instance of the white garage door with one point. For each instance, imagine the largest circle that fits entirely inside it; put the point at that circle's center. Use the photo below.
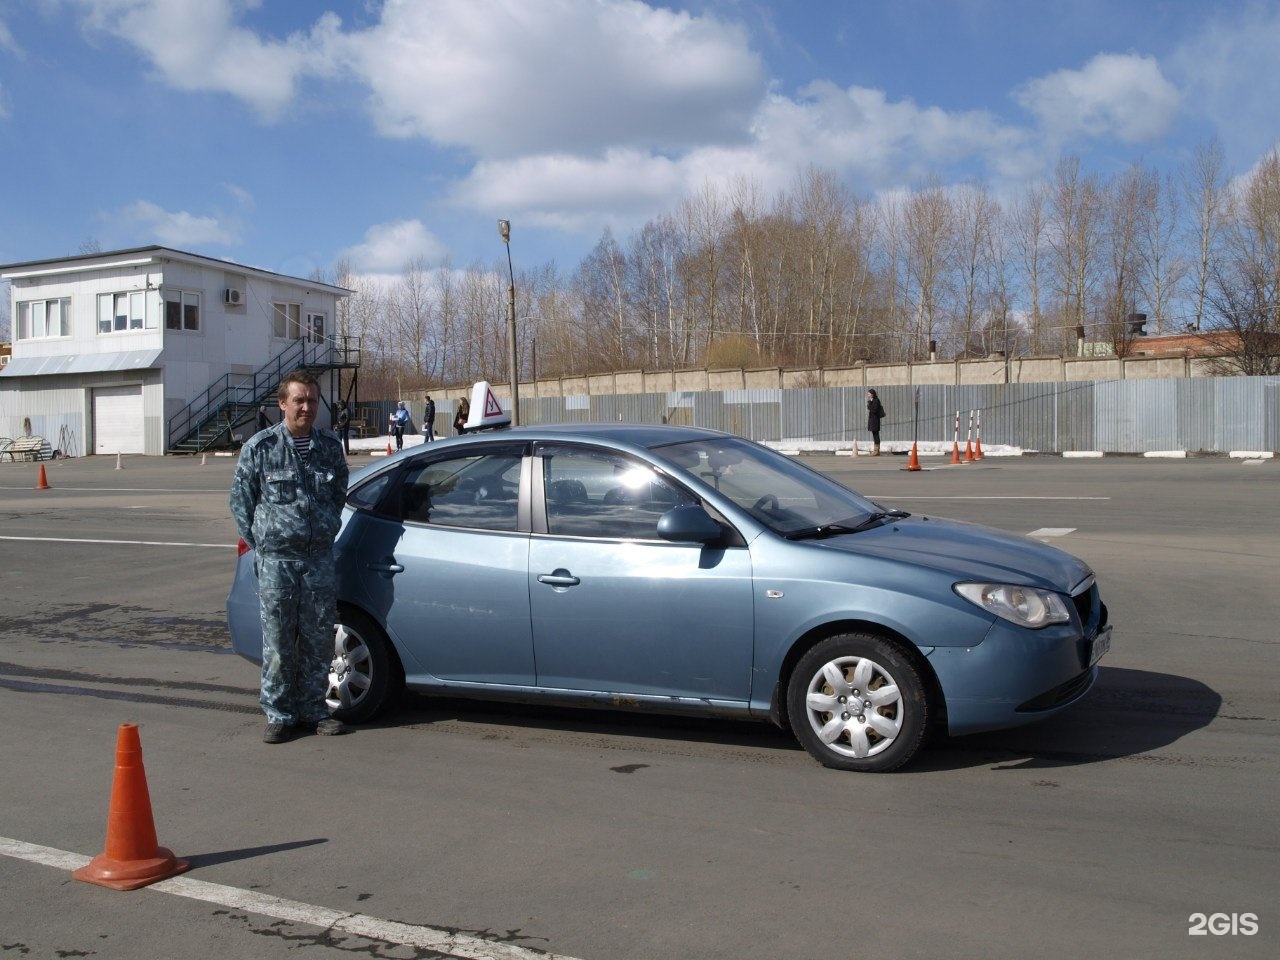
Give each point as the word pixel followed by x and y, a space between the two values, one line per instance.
pixel 117 420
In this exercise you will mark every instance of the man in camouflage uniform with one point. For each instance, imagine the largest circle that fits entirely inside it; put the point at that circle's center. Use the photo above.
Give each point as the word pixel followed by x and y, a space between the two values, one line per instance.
pixel 286 498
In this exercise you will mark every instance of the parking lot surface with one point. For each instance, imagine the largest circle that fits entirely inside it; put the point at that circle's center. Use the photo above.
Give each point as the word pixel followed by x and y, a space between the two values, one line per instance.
pixel 463 829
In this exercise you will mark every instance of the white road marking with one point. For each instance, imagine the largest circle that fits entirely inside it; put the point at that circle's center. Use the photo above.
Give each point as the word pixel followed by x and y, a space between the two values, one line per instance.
pixel 122 489
pixel 357 924
pixel 1052 532
pixel 137 543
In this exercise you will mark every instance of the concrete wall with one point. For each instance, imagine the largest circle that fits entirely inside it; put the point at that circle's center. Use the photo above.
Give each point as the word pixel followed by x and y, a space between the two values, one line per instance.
pixel 860 376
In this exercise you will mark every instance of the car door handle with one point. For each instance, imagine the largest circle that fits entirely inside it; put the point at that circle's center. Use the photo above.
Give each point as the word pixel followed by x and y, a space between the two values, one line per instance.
pixel 386 566
pixel 561 578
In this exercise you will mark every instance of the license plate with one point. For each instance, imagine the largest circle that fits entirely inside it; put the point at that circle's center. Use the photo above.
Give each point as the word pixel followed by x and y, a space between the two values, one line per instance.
pixel 1101 644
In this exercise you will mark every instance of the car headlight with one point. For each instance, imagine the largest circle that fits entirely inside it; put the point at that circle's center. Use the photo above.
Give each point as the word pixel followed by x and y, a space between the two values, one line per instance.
pixel 1026 606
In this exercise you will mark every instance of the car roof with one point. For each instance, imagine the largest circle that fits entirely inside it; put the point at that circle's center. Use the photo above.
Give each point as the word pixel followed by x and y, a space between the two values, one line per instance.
pixel 637 434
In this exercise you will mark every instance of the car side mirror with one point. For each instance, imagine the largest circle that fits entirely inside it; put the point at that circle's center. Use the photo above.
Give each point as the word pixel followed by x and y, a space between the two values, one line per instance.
pixel 688 524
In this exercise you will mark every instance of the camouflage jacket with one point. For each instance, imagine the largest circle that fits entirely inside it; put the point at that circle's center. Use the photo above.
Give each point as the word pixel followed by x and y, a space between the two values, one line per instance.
pixel 283 510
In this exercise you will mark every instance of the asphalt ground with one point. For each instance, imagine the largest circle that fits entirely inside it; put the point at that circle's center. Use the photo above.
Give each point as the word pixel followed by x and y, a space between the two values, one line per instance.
pixel 458 829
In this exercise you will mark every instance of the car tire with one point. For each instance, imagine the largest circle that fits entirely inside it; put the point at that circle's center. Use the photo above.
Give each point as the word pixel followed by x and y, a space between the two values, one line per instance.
pixel 856 702
pixel 365 676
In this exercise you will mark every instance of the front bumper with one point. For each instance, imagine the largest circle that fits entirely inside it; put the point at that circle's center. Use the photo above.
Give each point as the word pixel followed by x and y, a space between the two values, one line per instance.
pixel 1016 676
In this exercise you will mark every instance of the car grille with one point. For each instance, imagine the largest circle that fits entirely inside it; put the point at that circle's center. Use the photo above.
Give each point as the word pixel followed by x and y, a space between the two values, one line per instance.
pixel 1084 603
pixel 1063 693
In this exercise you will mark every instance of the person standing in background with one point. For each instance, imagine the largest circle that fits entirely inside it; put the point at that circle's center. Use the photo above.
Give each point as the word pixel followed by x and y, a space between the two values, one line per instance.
pixel 463 414
pixel 398 420
pixel 344 426
pixel 875 413
pixel 429 421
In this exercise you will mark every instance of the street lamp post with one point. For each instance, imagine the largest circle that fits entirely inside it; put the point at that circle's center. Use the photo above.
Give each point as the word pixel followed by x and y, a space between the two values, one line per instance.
pixel 504 229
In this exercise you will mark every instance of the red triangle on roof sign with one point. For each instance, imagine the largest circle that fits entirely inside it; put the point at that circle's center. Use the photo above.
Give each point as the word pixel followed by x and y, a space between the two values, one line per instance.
pixel 491 406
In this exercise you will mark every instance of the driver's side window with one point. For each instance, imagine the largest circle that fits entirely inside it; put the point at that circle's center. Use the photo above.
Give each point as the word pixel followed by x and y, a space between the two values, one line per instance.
pixel 598 494
pixel 472 491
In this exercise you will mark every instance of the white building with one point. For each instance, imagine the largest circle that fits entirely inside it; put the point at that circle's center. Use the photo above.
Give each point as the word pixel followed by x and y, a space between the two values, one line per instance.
pixel 154 350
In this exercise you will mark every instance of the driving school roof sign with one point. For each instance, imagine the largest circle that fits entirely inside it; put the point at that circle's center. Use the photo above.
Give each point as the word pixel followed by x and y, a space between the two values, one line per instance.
pixel 486 412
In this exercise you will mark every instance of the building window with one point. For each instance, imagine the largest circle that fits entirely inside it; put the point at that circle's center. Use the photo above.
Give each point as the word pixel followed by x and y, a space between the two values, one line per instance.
pixel 181 310
pixel 44 319
pixel 286 321
pixel 121 312
pixel 315 328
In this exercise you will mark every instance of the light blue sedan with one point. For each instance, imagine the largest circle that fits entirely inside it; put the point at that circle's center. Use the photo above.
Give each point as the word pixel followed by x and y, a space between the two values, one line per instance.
pixel 684 570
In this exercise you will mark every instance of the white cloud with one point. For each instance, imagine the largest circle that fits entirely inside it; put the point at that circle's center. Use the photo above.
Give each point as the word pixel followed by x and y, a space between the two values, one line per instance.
pixel 177 229
pixel 509 77
pixel 1121 95
pixel 195 45
pixel 1229 71
pixel 388 247
pixel 856 132
pixel 243 198
pixel 7 43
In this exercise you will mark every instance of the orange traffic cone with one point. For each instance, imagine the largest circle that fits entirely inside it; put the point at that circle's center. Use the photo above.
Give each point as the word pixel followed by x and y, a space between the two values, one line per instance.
pixel 388 449
pixel 42 483
pixel 913 461
pixel 977 439
pixel 955 451
pixel 132 859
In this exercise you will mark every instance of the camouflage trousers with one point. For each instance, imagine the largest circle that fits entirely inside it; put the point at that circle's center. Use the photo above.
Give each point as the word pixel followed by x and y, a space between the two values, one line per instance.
pixel 298 610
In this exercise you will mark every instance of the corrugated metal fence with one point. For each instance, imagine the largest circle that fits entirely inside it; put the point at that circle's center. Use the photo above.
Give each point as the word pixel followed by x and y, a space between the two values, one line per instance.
pixel 1210 414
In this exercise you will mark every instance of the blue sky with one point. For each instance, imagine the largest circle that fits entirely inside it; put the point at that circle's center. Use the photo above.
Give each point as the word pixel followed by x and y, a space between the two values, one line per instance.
pixel 289 135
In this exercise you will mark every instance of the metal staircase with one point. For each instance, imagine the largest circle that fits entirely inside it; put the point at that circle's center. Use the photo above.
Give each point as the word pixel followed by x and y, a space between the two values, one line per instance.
pixel 231 401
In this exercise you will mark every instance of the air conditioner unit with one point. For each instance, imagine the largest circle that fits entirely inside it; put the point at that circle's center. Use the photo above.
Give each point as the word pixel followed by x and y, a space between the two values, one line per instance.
pixel 233 296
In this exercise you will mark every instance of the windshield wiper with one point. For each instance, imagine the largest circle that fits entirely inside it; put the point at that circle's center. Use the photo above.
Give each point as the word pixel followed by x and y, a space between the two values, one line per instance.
pixel 846 526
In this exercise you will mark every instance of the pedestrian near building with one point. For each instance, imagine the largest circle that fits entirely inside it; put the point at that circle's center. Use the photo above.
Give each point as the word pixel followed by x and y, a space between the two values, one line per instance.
pixel 398 420
pixel 286 498
pixel 344 426
pixel 429 421
pixel 875 413
pixel 463 414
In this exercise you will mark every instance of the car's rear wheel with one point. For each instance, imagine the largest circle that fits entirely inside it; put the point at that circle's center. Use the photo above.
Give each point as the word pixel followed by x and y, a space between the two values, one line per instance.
pixel 857 702
pixel 365 675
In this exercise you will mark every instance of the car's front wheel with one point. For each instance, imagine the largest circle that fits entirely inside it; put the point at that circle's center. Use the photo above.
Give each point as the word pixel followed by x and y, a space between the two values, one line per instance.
pixel 857 702
pixel 365 675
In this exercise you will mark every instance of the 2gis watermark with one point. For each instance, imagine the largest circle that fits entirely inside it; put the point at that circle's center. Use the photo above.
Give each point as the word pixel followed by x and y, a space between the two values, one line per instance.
pixel 1222 924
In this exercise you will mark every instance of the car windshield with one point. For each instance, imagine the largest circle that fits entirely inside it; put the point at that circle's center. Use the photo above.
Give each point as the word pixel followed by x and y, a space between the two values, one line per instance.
pixel 784 495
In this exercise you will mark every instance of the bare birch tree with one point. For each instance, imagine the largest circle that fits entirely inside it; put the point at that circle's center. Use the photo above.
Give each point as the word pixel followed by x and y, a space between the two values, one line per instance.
pixel 929 221
pixel 1204 183
pixel 1028 229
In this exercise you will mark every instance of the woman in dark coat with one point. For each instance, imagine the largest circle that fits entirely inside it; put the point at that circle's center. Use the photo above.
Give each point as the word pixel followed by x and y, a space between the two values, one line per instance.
pixel 464 412
pixel 875 413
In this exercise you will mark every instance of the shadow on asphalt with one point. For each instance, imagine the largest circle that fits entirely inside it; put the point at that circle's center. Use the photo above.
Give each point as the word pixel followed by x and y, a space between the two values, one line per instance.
pixel 245 853
pixel 1128 713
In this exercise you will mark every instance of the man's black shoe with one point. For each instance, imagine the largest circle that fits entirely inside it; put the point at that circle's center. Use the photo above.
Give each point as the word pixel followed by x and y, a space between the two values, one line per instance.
pixel 328 727
pixel 275 733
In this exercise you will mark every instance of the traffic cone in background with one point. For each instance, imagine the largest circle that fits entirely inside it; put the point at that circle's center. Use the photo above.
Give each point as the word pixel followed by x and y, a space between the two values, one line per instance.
pixel 132 859
pixel 204 459
pixel 388 449
pixel 955 451
pixel 855 449
pixel 968 441
pixel 913 461
pixel 119 461
pixel 42 482
pixel 977 439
